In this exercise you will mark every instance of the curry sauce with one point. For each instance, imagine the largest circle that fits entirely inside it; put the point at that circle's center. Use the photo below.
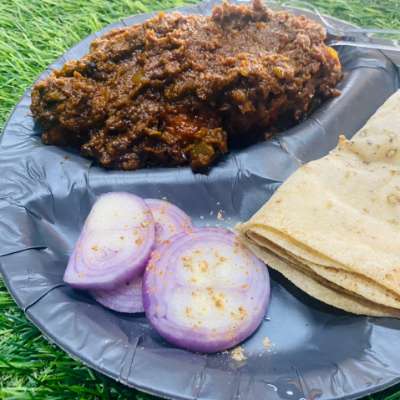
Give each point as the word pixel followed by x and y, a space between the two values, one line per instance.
pixel 182 89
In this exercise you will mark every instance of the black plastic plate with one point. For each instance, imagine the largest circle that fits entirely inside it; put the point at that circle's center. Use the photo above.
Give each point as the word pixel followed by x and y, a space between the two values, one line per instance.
pixel 317 351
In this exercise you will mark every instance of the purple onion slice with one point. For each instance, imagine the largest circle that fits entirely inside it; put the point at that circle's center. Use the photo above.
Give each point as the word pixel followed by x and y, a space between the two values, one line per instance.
pixel 126 298
pixel 114 245
pixel 169 219
pixel 204 291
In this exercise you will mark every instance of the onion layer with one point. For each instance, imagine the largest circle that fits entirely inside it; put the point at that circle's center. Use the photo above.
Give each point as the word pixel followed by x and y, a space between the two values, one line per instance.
pixel 169 219
pixel 114 245
pixel 204 291
pixel 127 298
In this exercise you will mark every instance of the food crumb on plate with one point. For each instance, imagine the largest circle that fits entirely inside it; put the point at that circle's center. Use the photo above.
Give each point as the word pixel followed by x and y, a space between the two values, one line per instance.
pixel 238 354
pixel 267 343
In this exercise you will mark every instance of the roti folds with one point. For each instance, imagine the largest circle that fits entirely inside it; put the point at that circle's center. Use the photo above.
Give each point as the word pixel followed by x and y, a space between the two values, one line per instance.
pixel 333 228
pixel 321 290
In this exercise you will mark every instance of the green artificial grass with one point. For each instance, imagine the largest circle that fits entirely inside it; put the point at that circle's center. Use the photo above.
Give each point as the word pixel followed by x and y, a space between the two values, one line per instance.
pixel 33 33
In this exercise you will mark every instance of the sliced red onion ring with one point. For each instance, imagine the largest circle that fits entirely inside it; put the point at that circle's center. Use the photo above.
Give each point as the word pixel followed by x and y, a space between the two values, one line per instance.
pixel 114 245
pixel 169 219
pixel 204 291
pixel 127 298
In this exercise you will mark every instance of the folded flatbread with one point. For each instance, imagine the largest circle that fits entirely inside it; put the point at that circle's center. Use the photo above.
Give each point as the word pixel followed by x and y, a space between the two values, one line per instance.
pixel 333 228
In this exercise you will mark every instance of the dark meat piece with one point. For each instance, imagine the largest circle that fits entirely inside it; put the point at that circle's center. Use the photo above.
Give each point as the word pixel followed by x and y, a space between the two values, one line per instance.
pixel 175 89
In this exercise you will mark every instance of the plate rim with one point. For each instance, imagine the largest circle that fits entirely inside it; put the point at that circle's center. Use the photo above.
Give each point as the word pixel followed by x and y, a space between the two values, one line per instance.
pixel 53 340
